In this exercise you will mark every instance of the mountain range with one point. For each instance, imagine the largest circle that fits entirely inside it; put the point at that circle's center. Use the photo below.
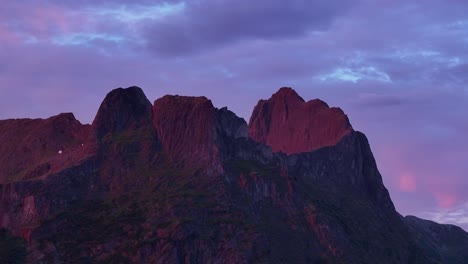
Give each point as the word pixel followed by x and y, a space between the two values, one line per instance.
pixel 180 181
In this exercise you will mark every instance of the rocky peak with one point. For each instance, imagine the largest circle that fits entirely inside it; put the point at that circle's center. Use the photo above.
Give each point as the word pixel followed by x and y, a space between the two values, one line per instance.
pixel 123 109
pixel 288 95
pixel 289 124
pixel 185 126
pixel 193 132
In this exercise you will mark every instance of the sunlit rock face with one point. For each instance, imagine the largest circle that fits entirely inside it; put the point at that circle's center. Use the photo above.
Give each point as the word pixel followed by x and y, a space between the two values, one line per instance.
pixel 32 148
pixel 289 124
pixel 186 128
pixel 193 132
pixel 181 181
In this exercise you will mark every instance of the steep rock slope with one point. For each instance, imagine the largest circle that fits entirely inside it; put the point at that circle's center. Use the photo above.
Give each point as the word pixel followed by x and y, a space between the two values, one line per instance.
pixel 181 182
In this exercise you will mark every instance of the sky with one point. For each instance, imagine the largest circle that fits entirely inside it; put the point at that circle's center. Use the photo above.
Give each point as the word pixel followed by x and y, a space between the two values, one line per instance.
pixel 398 68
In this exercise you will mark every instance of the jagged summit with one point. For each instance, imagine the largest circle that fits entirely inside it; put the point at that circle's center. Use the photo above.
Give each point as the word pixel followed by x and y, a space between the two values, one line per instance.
pixel 290 97
pixel 288 94
pixel 289 124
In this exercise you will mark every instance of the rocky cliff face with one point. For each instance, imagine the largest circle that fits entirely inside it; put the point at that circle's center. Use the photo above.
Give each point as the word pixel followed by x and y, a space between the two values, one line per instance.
pixel 186 128
pixel 181 181
pixel 289 124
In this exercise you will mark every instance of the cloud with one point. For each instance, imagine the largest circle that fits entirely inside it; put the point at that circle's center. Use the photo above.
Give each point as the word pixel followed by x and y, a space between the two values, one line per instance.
pixel 206 25
pixel 445 200
pixel 355 75
pixel 135 13
pixel 379 100
pixel 457 215
pixel 84 38
pixel 94 24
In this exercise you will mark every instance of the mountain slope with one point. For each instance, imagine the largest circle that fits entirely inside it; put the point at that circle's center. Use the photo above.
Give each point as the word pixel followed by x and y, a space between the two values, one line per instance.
pixel 181 181
pixel 447 243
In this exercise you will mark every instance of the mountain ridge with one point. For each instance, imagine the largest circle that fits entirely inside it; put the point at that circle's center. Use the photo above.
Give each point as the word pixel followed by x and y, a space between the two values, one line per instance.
pixel 182 181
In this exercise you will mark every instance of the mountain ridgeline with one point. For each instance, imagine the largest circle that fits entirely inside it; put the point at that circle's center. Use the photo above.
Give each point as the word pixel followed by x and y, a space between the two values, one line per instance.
pixel 180 181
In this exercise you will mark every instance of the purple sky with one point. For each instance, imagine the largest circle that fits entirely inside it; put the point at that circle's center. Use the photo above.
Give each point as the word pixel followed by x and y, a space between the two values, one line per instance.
pixel 398 68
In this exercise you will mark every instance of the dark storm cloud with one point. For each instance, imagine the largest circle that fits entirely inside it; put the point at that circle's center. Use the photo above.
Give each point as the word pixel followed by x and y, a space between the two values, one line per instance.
pixel 209 24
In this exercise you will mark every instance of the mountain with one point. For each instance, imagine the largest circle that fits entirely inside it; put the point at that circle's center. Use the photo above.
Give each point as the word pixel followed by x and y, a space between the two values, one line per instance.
pixel 180 181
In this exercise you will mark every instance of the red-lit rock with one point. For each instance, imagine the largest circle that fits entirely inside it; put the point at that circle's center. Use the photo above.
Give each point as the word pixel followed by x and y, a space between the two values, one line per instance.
pixel 193 132
pixel 186 128
pixel 32 148
pixel 289 124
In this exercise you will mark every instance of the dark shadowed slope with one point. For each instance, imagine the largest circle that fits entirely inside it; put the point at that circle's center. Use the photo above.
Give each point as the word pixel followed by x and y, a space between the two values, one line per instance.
pixel 447 243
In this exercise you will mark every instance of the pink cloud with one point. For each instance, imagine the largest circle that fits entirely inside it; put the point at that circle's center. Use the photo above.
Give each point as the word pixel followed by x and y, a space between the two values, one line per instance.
pixel 45 19
pixel 40 22
pixel 445 200
pixel 407 182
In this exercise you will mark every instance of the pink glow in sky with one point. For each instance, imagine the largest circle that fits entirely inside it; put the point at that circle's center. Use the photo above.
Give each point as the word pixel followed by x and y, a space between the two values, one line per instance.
pixel 397 68
pixel 407 182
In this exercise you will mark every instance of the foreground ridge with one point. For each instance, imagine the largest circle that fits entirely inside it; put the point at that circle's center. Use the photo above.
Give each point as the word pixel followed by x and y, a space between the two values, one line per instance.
pixel 180 181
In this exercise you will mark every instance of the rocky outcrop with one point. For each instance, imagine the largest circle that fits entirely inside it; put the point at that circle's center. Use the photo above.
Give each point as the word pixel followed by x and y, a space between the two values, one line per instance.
pixel 33 148
pixel 289 124
pixel 183 182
